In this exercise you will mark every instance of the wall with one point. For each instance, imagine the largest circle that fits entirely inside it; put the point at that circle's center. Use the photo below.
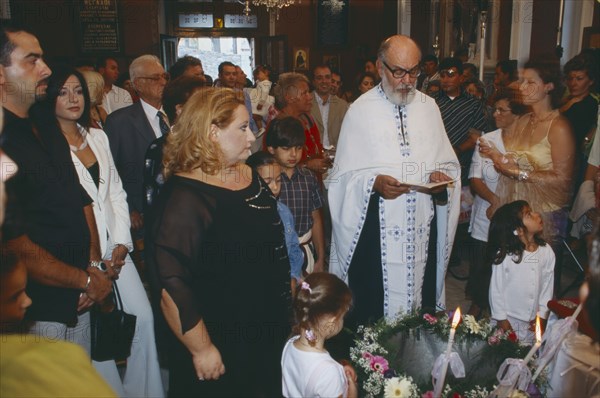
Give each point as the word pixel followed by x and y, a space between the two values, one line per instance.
pixel 370 21
pixel 544 21
pixel 55 24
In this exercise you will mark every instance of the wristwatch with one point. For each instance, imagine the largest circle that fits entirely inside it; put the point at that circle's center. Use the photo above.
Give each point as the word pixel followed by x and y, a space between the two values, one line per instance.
pixel 98 264
pixel 523 175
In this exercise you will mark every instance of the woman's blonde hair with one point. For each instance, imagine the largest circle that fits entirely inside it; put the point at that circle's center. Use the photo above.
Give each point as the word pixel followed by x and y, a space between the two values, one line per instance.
pixel 95 84
pixel 189 145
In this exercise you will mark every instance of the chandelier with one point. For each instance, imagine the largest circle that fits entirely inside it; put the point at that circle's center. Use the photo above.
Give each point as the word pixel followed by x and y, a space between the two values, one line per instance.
pixel 270 4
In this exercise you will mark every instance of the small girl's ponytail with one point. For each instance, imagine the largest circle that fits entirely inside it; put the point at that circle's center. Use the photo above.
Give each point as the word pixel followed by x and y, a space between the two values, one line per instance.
pixel 320 294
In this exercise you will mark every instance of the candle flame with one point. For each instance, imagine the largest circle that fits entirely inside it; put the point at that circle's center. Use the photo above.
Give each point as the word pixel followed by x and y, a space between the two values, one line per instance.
pixel 456 318
pixel 538 330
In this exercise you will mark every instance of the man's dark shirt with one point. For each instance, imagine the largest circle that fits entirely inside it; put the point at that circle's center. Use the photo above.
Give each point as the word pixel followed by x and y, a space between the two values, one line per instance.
pixel 459 115
pixel 46 203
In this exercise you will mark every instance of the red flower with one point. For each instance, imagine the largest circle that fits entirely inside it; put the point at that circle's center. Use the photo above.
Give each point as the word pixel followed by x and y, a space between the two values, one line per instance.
pixel 430 319
pixel 512 336
pixel 456 395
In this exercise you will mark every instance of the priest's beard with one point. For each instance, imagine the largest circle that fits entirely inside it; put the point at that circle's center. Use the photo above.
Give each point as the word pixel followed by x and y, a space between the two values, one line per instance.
pixel 403 94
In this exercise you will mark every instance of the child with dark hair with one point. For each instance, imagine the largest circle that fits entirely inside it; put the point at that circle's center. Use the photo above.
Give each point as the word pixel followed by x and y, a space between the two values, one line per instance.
pixel 307 368
pixel 14 301
pixel 53 367
pixel 300 189
pixel 522 269
pixel 269 170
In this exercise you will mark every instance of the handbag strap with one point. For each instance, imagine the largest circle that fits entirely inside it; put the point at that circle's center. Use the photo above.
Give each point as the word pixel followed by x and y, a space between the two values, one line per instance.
pixel 117 296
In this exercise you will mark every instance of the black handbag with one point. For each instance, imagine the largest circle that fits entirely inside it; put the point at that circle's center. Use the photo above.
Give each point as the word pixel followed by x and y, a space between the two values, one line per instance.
pixel 112 332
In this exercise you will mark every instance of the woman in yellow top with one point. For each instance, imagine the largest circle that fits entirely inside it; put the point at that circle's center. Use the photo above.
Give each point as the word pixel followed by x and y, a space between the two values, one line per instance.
pixel 538 165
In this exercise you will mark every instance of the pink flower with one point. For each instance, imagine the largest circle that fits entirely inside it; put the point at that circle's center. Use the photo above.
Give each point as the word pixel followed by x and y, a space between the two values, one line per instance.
pixel 430 319
pixel 428 394
pixel 379 364
pixel 499 333
pixel 367 355
pixel 493 340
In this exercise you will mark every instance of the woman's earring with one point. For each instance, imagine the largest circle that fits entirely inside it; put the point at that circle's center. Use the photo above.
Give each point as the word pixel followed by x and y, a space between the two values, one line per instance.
pixel 516 233
pixel 310 335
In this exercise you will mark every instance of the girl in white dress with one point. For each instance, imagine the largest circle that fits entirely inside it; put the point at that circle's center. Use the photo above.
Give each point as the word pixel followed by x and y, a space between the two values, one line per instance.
pixel 522 269
pixel 307 368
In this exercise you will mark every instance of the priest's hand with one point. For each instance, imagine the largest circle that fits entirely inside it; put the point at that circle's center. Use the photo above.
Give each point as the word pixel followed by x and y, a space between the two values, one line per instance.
pixel 438 176
pixel 389 187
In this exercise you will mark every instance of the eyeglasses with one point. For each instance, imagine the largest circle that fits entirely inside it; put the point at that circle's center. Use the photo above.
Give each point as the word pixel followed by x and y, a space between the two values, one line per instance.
pixel 502 111
pixel 448 73
pixel 156 78
pixel 399 72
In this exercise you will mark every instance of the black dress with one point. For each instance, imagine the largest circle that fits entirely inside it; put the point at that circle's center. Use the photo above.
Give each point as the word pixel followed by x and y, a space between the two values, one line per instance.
pixel 221 256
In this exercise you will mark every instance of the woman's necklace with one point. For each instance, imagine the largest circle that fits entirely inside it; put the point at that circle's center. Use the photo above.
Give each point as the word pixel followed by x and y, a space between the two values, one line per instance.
pixel 534 120
pixel 83 145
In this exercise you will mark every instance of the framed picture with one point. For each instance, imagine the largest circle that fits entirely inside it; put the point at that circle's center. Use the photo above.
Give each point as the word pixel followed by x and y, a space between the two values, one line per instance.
pixel 301 60
pixel 333 61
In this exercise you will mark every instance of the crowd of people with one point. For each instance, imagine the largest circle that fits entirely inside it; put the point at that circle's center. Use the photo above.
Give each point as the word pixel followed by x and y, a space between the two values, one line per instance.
pixel 263 217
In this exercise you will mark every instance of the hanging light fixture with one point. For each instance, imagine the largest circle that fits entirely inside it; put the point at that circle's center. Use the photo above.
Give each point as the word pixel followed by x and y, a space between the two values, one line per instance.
pixel 275 5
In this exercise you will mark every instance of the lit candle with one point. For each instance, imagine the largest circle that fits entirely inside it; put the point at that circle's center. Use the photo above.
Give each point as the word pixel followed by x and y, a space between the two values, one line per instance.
pixel 550 351
pixel 538 341
pixel 439 385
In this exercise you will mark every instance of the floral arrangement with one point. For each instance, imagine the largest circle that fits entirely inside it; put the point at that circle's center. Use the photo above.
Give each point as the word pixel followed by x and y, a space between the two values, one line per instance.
pixel 381 375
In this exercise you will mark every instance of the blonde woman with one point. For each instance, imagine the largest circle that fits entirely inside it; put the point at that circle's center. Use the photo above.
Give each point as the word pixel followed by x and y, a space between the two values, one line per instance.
pixel 95 84
pixel 217 256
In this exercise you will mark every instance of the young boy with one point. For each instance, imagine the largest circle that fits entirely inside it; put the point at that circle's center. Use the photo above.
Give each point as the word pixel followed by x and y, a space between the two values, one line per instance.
pixel 270 171
pixel 53 368
pixel 300 189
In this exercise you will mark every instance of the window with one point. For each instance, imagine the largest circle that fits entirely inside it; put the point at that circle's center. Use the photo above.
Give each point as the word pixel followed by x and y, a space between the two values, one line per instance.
pixel 214 50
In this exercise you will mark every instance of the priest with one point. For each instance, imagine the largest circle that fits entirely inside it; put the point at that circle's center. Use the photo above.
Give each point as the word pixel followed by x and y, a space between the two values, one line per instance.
pixel 394 169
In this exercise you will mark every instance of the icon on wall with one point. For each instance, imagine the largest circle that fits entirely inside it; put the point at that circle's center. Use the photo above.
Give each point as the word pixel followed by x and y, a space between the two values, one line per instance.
pixel 301 58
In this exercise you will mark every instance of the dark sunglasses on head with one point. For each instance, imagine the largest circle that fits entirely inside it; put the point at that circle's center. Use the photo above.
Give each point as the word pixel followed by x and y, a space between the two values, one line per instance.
pixel 448 73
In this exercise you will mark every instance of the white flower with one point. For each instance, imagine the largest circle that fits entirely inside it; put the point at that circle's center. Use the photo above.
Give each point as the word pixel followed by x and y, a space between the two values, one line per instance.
pixel 399 388
pixel 471 323
pixel 477 392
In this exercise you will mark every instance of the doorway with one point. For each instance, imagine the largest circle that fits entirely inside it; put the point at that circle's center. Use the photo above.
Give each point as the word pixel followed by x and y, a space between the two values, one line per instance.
pixel 214 50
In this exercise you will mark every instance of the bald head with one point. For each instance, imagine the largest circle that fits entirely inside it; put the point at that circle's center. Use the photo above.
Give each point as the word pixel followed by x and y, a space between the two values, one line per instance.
pixel 400 46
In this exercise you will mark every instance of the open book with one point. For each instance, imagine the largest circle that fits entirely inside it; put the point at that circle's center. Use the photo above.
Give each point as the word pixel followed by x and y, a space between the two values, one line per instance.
pixel 426 186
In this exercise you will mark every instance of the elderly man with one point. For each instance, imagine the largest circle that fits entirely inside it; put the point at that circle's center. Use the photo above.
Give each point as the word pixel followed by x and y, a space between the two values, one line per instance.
pixel 328 110
pixel 131 130
pixel 392 145
pixel 49 223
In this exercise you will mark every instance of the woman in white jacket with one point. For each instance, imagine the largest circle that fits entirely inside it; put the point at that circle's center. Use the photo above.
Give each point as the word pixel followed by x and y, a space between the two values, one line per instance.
pixel 68 94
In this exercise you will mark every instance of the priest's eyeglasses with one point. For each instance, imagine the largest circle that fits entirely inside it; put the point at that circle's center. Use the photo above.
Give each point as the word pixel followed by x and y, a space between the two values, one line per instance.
pixel 399 72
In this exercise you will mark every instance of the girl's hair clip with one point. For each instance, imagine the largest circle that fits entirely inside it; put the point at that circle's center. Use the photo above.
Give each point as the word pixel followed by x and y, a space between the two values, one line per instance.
pixel 306 286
